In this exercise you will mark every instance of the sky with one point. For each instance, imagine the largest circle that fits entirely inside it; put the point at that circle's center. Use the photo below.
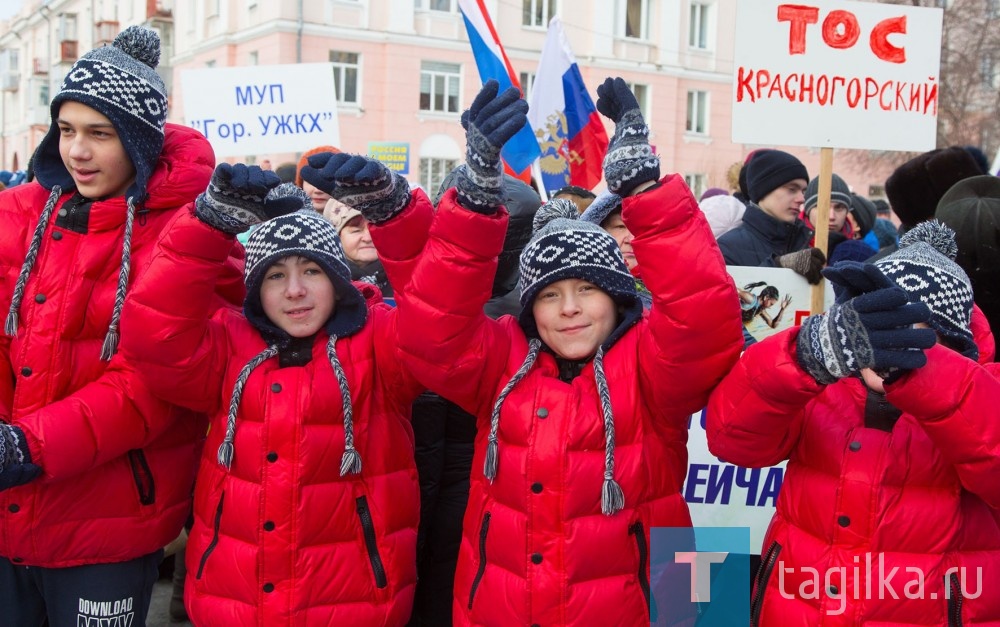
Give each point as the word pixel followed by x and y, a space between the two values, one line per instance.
pixel 9 8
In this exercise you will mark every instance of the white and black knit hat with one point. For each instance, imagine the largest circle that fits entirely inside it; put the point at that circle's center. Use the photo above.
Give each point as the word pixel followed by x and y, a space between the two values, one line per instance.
pixel 307 234
pixel 119 81
pixel 924 267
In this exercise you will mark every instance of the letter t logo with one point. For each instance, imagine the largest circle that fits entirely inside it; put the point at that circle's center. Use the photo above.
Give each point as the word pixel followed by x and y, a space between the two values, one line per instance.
pixel 701 572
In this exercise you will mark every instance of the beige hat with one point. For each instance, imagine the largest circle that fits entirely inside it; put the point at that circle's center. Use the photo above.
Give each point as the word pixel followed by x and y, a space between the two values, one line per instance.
pixel 339 214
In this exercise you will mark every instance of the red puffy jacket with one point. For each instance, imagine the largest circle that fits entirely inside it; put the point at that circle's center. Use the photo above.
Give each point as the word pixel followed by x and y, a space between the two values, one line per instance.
pixel 536 547
pixel 118 463
pixel 865 512
pixel 282 538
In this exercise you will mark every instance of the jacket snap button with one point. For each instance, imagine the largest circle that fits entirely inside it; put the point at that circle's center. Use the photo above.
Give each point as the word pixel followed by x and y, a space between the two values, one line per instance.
pixel 268 587
pixel 13 508
pixel 855 446
pixel 275 387
pixel 843 521
pixel 536 488
pixel 39 298
pixel 26 371
pixel 272 457
pixel 542 413
pixel 56 235
pixel 269 526
pixel 536 558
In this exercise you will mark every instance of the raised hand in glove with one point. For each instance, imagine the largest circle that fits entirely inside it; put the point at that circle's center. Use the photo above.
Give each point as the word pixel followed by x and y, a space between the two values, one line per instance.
pixel 809 263
pixel 361 183
pixel 238 197
pixel 870 330
pixel 492 119
pixel 630 160
pixel 15 459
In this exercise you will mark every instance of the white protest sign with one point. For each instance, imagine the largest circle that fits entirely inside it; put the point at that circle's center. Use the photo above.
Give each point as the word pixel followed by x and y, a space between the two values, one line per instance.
pixel 836 74
pixel 720 494
pixel 262 109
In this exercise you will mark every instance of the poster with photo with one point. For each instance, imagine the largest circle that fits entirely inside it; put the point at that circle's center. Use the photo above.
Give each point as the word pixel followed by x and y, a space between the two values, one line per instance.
pixel 771 300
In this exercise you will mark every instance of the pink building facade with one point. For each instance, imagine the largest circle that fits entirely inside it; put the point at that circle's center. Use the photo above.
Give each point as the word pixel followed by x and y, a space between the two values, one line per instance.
pixel 404 69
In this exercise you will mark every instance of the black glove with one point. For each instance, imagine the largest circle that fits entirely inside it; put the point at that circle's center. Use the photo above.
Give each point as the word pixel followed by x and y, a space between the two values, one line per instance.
pixel 809 263
pixel 489 123
pixel 630 159
pixel 359 182
pixel 238 197
pixel 869 330
pixel 15 459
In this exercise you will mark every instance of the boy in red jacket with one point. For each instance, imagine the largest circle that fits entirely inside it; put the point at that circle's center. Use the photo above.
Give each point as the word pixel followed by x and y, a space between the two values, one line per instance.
pixel 888 510
pixel 95 471
pixel 582 401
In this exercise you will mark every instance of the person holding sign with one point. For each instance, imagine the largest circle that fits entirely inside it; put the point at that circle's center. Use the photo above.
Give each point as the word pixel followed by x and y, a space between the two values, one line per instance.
pixel 575 396
pixel 306 504
pixel 95 471
pixel 885 408
pixel 772 235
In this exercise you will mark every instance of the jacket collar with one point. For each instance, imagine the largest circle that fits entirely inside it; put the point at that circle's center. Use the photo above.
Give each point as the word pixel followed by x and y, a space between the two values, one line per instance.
pixel 771 228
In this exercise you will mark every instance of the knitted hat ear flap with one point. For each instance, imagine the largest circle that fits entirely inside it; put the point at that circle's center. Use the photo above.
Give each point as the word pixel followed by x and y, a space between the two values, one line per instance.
pixel 226 449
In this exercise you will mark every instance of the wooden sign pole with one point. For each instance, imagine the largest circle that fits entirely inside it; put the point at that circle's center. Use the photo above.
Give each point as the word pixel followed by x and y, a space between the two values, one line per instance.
pixel 821 222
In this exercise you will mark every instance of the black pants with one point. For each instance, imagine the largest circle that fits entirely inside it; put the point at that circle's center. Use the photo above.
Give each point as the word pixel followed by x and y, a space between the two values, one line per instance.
pixel 93 595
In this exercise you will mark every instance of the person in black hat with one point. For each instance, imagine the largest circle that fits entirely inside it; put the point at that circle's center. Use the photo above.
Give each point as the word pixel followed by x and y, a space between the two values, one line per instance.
pixel 772 233
pixel 95 471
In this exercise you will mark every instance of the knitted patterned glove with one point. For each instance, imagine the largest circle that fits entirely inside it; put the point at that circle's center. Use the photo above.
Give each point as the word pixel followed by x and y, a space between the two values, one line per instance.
pixel 15 459
pixel 237 198
pixel 808 263
pixel 871 330
pixel 489 123
pixel 630 159
pixel 359 182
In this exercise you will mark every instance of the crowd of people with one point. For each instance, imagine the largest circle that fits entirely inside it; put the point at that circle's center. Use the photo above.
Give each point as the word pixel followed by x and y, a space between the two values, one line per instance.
pixel 378 407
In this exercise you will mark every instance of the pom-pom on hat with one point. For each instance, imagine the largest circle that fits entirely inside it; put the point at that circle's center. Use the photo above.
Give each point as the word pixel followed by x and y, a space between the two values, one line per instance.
pixel 924 267
pixel 119 81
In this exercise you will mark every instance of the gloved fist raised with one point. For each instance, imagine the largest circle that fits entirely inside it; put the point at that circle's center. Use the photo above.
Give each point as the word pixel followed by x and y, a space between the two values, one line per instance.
pixel 809 263
pixel 871 330
pixel 238 198
pixel 359 182
pixel 489 123
pixel 15 459
pixel 630 160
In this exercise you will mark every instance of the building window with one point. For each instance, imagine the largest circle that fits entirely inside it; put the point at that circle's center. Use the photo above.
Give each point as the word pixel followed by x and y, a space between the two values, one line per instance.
pixel 527 80
pixel 43 94
pixel 538 12
pixel 697 112
pixel 345 76
pixel 67 27
pixel 698 26
pixel 992 9
pixel 636 18
pixel 253 58
pixel 210 63
pixel 211 8
pixel 697 183
pixel 439 86
pixel 445 6
pixel 642 96
pixel 433 171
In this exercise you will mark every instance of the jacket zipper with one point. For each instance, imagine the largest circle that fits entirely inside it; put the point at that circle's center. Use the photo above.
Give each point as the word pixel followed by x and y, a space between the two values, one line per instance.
pixel 954 601
pixel 143 476
pixel 215 536
pixel 640 543
pixel 763 575
pixel 368 527
pixel 483 530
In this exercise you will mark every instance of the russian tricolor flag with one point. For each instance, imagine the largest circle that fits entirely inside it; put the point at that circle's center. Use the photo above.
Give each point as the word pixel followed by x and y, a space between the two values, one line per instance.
pixel 571 136
pixel 491 60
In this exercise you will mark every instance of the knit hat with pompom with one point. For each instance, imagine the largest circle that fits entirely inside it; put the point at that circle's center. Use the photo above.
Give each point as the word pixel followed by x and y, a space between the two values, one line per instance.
pixel 924 266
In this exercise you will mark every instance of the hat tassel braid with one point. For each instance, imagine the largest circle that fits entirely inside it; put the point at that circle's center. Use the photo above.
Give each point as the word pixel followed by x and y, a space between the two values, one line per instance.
pixel 10 325
pixel 350 463
pixel 225 456
pixel 490 466
pixel 110 346
pixel 612 497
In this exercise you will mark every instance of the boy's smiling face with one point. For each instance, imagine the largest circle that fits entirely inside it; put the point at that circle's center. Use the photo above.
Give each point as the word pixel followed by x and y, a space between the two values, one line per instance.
pixel 297 296
pixel 92 152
